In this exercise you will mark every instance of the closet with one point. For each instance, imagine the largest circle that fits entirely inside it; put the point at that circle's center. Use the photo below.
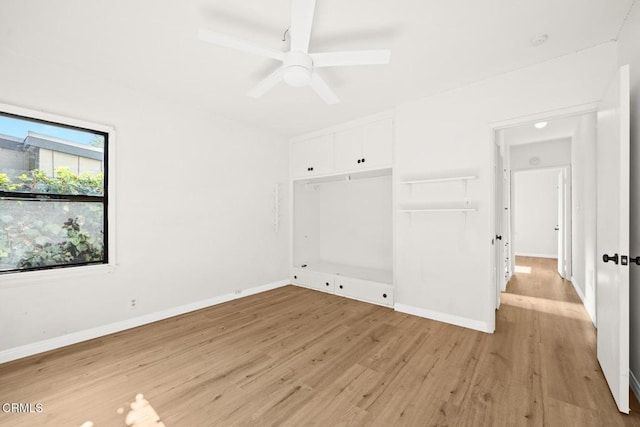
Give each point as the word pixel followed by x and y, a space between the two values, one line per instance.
pixel 341 186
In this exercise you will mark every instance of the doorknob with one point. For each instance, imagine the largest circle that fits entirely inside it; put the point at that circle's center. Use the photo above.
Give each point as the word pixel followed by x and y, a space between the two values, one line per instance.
pixel 498 237
pixel 556 228
pixel 607 258
pixel 636 260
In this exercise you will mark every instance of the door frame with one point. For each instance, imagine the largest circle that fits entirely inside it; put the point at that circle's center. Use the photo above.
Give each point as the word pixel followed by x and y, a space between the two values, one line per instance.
pixel 566 207
pixel 493 129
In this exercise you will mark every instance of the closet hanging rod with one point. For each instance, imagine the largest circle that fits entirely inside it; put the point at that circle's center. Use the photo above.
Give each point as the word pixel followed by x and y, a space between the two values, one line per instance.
pixel 438 210
pixel 454 178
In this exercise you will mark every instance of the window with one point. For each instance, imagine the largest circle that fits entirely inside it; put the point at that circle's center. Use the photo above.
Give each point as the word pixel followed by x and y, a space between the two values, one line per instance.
pixel 53 193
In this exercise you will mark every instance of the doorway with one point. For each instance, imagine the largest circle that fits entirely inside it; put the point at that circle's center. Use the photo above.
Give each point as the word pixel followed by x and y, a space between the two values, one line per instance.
pixel 563 145
pixel 600 219
pixel 541 215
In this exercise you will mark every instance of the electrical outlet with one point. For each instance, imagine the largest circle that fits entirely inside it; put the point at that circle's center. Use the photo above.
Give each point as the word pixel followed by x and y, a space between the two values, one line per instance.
pixel 133 303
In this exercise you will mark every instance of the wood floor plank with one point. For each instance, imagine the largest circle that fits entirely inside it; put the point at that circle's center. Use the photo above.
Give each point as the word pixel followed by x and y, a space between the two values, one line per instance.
pixel 294 356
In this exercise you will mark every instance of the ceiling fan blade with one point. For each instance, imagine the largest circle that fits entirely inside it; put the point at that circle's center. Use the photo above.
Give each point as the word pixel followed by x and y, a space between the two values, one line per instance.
pixel 356 57
pixel 234 43
pixel 301 22
pixel 267 83
pixel 323 90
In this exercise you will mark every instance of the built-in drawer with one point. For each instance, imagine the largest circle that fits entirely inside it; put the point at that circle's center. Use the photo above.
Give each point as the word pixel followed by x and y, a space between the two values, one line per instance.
pixel 313 279
pixel 377 293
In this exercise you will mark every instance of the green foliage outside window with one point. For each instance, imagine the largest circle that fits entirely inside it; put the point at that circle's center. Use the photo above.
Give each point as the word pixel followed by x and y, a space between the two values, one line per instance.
pixel 64 182
pixel 36 233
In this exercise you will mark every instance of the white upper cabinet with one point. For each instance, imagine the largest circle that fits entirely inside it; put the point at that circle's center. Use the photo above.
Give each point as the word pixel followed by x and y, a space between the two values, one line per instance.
pixel 377 143
pixel 312 157
pixel 348 149
pixel 364 147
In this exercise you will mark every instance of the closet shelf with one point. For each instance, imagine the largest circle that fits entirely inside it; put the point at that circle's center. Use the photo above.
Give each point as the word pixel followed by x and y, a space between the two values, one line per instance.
pixel 430 180
pixel 438 210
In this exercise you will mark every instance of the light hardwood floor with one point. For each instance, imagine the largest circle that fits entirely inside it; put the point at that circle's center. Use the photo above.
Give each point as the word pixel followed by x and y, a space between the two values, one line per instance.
pixel 297 357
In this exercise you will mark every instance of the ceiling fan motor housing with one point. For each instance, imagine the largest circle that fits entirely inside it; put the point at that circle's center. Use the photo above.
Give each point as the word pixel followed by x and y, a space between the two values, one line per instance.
pixel 297 69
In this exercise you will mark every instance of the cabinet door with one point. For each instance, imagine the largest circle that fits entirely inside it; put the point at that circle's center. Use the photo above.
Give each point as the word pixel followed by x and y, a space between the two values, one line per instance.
pixel 312 157
pixel 348 149
pixel 365 290
pixel 377 143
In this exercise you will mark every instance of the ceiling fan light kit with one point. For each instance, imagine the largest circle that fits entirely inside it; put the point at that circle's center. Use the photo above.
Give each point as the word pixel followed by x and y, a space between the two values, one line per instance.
pixel 297 68
pixel 298 64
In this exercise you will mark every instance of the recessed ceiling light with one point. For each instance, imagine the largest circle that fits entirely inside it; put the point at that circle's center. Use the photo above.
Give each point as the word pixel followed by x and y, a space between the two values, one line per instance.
pixel 539 40
pixel 541 125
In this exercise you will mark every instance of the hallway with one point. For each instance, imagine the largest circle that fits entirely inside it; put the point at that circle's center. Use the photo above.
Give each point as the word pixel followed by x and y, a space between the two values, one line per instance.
pixel 553 349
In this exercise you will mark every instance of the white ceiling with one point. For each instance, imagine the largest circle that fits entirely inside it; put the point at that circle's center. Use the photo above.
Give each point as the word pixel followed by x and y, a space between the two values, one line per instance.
pixel 152 46
pixel 559 128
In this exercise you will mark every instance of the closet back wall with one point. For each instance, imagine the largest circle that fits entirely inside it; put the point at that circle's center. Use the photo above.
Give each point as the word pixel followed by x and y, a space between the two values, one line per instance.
pixel 356 222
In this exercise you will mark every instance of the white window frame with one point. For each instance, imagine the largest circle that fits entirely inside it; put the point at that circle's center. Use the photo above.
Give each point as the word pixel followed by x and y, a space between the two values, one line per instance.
pixel 21 278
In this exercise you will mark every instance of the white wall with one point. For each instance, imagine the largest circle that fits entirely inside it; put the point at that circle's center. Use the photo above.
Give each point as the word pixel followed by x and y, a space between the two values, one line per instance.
pixel 583 179
pixel 344 222
pixel 543 154
pixel 629 53
pixel 535 208
pixel 194 206
pixel 306 227
pixel 355 222
pixel 444 261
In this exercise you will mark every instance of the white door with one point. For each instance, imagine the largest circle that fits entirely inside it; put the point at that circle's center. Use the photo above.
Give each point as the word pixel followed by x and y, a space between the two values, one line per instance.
pixel 560 224
pixel 613 237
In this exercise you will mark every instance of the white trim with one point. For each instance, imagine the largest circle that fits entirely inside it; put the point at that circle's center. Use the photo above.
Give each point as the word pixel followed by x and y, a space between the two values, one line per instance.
pixel 54 117
pixel 444 317
pixel 386 114
pixel 635 384
pixel 534 255
pixel 13 279
pixel 573 110
pixel 578 290
pixel 583 298
pixel 25 278
pixel 100 331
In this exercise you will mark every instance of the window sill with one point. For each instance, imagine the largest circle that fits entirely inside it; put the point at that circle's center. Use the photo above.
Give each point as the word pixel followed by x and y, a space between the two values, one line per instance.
pixel 11 280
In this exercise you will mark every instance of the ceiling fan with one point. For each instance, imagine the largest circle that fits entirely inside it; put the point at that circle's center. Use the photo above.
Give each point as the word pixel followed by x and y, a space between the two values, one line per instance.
pixel 298 65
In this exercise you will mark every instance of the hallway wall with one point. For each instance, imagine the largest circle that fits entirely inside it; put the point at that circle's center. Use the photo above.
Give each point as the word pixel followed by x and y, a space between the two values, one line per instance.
pixel 535 205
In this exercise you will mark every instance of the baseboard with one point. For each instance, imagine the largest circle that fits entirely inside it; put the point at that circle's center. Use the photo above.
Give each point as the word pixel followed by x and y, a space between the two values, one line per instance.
pixel 88 334
pixel 635 385
pixel 578 290
pixel 534 255
pixel 583 298
pixel 444 317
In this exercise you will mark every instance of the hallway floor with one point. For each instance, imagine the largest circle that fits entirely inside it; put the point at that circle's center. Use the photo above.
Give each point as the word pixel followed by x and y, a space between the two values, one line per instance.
pixel 557 341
